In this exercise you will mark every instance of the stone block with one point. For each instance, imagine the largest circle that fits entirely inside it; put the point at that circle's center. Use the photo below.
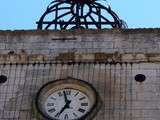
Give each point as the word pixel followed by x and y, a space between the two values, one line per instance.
pixel 141 57
pixel 102 56
pixel 127 57
pixel 35 58
pixel 154 57
pixel 65 56
pixel 84 57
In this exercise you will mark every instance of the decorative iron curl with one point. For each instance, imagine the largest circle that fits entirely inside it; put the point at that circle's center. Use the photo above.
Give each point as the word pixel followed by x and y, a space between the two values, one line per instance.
pixel 79 14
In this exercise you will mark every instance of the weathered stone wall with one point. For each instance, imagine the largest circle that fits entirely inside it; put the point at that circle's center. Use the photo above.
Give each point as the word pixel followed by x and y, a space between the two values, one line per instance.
pixel 108 59
pixel 119 45
pixel 123 98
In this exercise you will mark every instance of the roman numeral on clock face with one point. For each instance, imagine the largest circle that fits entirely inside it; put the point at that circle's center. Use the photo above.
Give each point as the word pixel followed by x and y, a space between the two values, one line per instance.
pixel 75 114
pixel 76 94
pixel 81 110
pixel 68 92
pixel 60 94
pixel 53 98
pixel 50 104
pixel 66 117
pixel 52 110
pixel 57 115
pixel 84 104
pixel 82 98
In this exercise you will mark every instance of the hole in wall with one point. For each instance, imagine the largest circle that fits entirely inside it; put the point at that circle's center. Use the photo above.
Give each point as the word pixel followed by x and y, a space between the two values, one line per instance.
pixel 140 78
pixel 3 79
pixel 11 52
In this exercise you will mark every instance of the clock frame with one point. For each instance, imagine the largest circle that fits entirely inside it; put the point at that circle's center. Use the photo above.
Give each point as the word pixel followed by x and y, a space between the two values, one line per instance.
pixel 68 83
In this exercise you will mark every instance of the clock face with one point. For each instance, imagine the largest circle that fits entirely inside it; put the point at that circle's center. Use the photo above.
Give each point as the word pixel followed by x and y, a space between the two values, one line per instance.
pixel 67 99
pixel 67 104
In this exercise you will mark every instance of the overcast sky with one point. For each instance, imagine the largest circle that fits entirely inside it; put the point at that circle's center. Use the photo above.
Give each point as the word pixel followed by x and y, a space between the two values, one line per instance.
pixel 22 14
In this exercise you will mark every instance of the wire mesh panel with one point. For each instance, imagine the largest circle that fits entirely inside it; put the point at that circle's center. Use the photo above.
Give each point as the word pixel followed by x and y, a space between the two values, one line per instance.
pixel 123 96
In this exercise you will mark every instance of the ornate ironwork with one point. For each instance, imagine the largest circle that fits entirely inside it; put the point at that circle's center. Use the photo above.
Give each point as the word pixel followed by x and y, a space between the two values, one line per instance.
pixel 79 14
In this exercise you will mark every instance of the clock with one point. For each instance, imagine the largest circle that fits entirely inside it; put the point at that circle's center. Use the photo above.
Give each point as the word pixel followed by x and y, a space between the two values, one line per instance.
pixel 67 99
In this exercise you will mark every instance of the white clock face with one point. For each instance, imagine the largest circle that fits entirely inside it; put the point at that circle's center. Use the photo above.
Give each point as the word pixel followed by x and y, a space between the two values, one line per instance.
pixel 67 104
pixel 67 99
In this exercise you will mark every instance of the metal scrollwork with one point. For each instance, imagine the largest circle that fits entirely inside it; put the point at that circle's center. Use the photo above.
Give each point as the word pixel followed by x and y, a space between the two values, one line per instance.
pixel 79 14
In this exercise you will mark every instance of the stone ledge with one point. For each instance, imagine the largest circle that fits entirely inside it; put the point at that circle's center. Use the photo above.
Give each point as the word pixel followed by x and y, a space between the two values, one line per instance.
pixel 78 32
pixel 24 57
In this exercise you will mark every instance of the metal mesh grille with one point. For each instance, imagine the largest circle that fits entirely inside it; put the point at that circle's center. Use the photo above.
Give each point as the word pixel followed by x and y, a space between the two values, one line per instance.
pixel 123 98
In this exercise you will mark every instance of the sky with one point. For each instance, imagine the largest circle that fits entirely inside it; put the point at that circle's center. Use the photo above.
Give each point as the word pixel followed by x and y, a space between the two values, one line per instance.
pixel 23 14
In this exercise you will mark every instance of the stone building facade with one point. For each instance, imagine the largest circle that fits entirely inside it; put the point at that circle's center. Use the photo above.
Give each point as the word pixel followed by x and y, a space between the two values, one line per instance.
pixel 110 60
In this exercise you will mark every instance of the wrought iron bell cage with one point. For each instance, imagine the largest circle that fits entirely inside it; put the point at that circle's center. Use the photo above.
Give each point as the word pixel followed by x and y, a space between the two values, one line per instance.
pixel 79 14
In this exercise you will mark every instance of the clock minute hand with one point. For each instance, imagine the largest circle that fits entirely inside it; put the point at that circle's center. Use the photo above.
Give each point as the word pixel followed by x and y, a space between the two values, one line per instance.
pixel 65 107
pixel 67 103
pixel 59 113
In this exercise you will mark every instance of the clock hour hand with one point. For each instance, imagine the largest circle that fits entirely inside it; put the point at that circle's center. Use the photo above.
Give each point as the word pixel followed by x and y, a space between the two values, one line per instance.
pixel 65 97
